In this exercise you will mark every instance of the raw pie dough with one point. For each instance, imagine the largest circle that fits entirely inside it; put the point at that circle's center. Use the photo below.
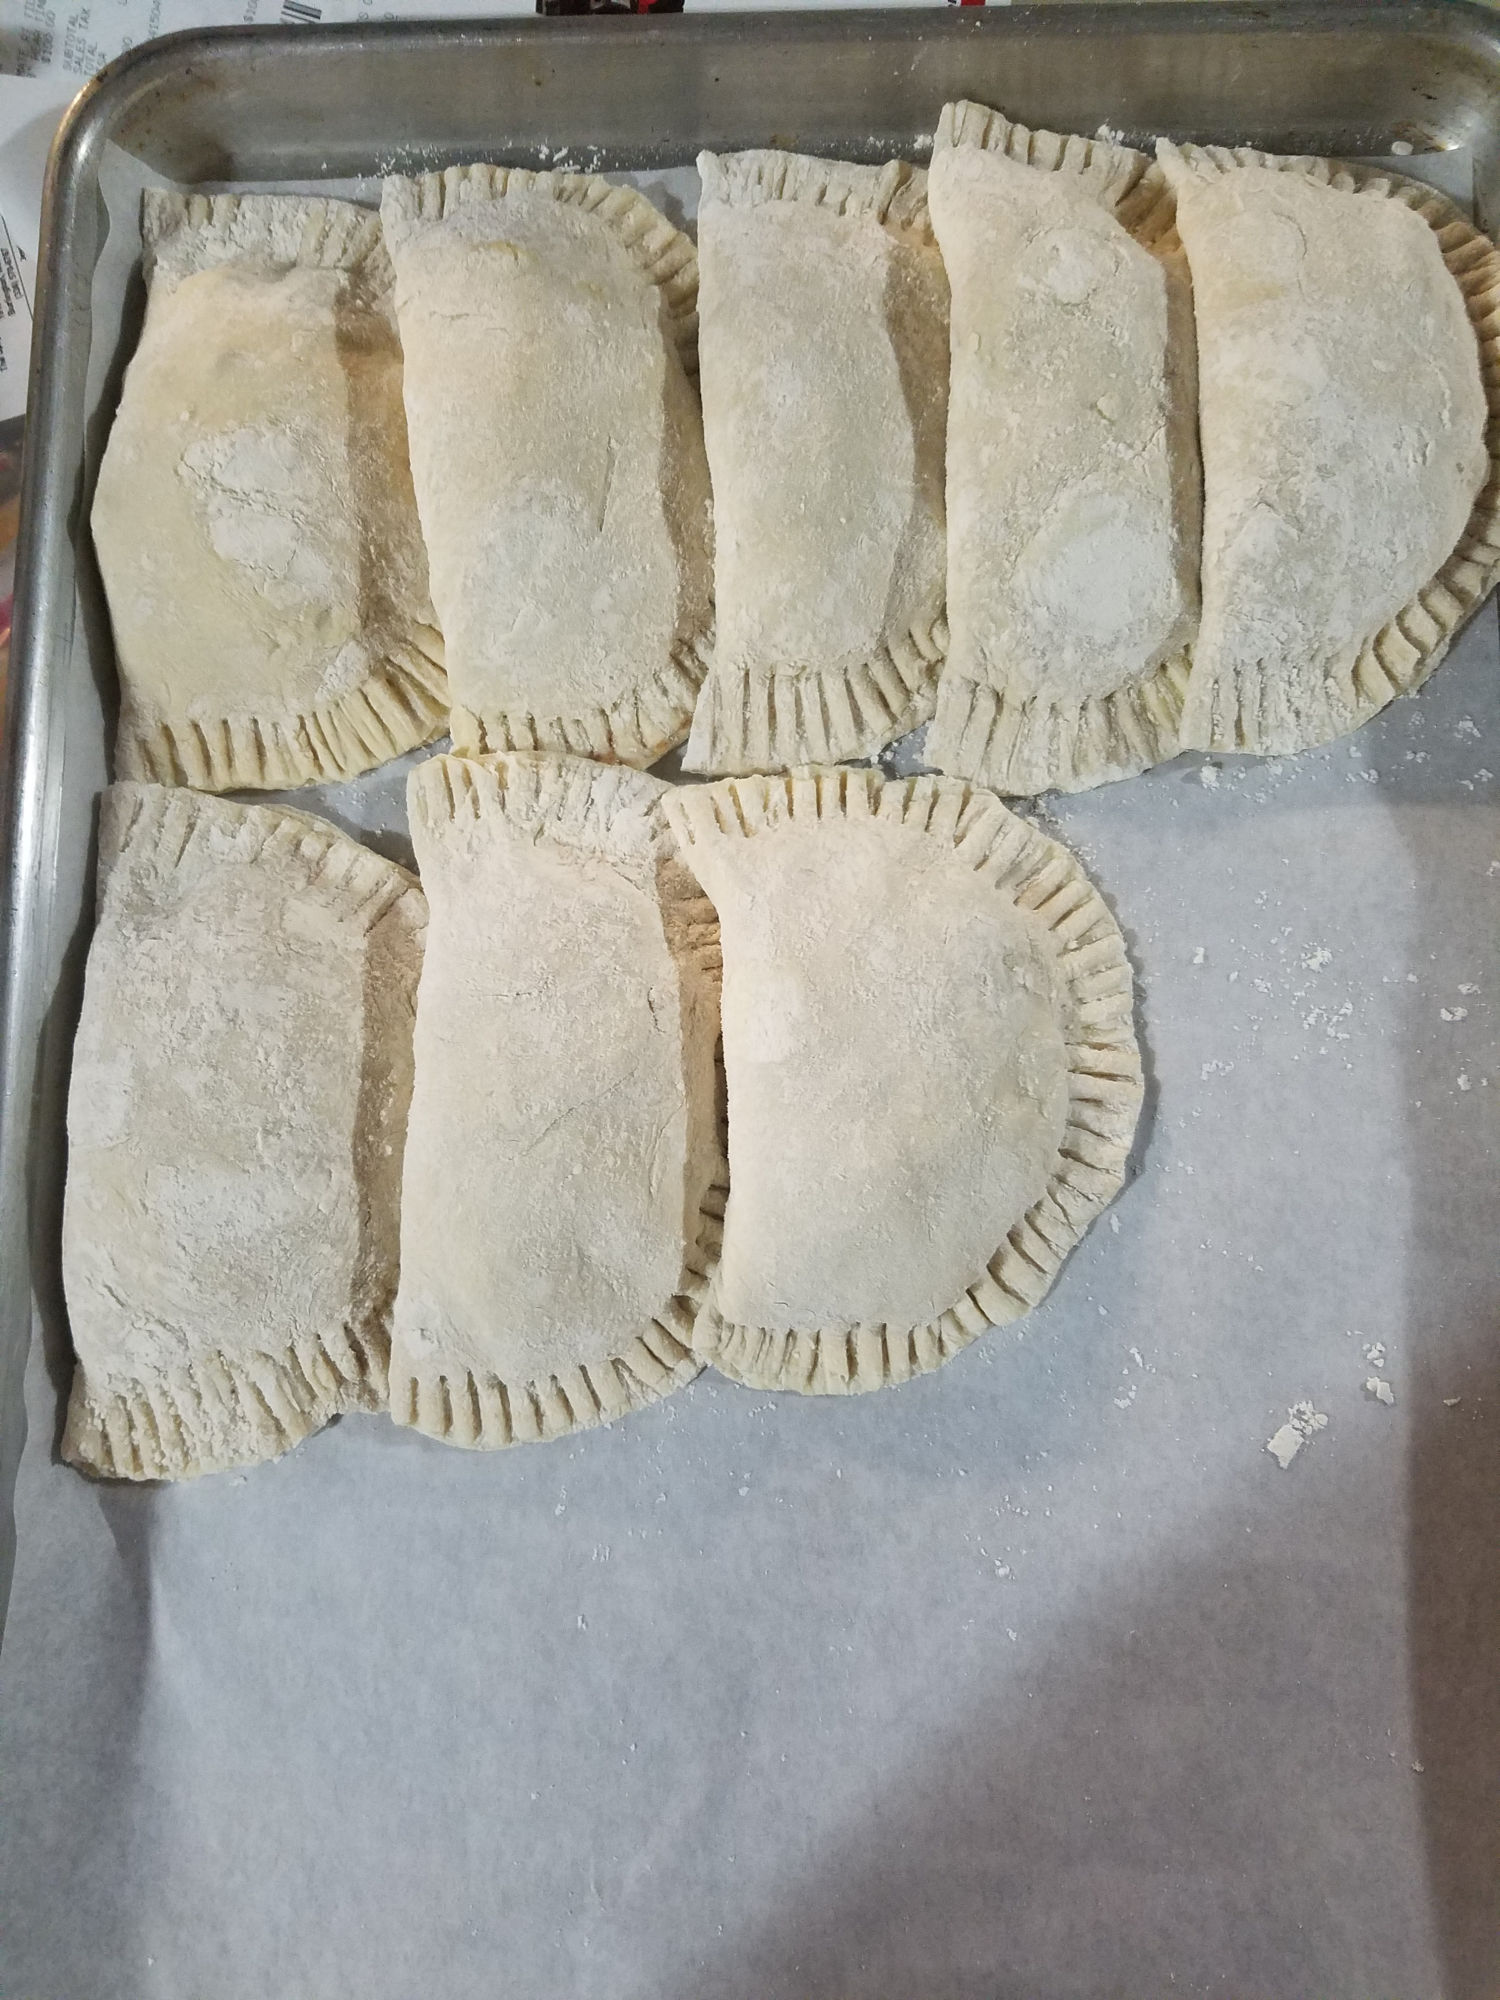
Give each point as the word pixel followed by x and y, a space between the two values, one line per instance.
pixel 564 1178
pixel 549 326
pixel 235 1121
pixel 1346 330
pixel 254 518
pixel 824 355
pixel 932 1074
pixel 1072 461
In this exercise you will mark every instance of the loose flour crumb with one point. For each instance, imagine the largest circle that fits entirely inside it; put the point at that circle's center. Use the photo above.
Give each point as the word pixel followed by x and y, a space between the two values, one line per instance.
pixel 1380 1389
pixel 1374 1353
pixel 1303 1421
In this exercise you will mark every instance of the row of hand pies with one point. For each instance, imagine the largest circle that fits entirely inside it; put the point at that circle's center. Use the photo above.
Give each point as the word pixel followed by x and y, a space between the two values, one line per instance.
pixel 1099 456
pixel 341 1141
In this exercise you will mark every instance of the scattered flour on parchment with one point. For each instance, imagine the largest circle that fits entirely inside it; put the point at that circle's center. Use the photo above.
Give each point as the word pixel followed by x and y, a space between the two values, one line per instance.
pixel 1380 1389
pixel 1303 1421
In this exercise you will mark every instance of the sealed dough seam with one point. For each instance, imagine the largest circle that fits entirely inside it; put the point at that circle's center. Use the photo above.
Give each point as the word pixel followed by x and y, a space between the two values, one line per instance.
pixel 896 196
pixel 637 729
pixel 404 702
pixel 174 1429
pixel 1032 744
pixel 748 719
pixel 1130 183
pixel 183 233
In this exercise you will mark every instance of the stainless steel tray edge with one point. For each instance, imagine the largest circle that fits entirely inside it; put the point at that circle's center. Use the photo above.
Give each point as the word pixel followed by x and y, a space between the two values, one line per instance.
pixel 255 104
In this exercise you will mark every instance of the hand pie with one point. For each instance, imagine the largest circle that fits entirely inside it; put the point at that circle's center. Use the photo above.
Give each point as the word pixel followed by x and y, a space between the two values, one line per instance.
pixel 564 1179
pixel 235 1123
pixel 1346 335
pixel 932 1075
pixel 824 354
pixel 548 322
pixel 254 519
pixel 1072 462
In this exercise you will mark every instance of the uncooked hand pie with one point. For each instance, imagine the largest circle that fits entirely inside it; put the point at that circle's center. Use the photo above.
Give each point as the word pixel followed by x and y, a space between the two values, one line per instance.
pixel 564 1177
pixel 235 1123
pixel 1346 332
pixel 823 347
pixel 254 519
pixel 549 327
pixel 932 1075
pixel 1072 464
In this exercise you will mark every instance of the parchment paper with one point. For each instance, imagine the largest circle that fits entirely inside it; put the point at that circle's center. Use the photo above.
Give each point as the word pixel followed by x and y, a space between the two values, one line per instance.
pixel 1038 1677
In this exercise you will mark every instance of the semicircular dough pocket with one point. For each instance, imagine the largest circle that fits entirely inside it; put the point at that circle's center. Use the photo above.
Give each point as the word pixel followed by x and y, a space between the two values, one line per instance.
pixel 824 355
pixel 932 1075
pixel 1349 340
pixel 254 518
pixel 549 326
pixel 564 1175
pixel 1073 488
pixel 236 1117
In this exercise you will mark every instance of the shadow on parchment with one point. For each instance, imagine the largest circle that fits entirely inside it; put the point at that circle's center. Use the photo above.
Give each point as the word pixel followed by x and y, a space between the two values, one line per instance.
pixel 1452 1316
pixel 1107 1844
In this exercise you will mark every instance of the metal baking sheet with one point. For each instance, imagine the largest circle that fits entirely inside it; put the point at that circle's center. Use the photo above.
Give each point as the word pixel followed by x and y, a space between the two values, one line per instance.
pixel 1036 1677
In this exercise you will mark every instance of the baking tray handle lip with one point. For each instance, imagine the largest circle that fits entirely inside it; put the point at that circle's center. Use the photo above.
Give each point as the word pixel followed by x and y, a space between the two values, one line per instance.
pixel 141 67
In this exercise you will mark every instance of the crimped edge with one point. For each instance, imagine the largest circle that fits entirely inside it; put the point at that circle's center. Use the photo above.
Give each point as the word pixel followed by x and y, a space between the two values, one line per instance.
pixel 398 707
pixel 1130 183
pixel 164 1430
pixel 894 195
pixel 749 719
pixel 182 233
pixel 608 810
pixel 648 720
pixel 661 251
pixel 122 1426
pixel 1407 649
pixel 145 825
pixel 1024 745
pixel 613 813
pixel 1105 1089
